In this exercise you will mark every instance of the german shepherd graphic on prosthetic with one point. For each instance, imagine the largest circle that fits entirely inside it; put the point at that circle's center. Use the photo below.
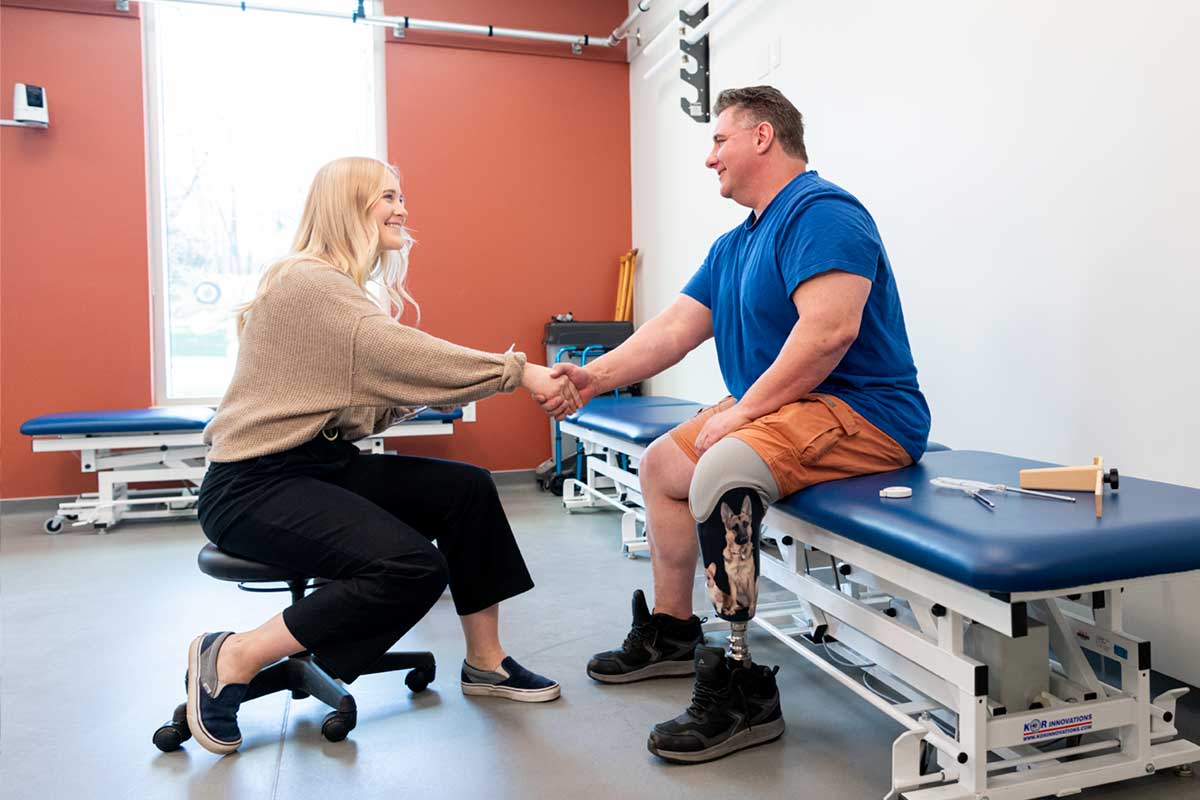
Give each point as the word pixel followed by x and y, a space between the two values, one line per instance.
pixel 738 558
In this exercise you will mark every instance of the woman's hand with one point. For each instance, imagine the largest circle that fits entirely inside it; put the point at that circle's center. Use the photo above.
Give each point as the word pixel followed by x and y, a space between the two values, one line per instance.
pixel 584 382
pixel 545 388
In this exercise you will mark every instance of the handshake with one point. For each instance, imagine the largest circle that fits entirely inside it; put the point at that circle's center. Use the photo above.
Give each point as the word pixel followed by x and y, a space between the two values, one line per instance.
pixel 560 391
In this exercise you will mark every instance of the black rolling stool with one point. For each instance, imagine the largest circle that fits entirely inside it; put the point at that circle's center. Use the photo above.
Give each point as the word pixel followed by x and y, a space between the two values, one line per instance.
pixel 298 674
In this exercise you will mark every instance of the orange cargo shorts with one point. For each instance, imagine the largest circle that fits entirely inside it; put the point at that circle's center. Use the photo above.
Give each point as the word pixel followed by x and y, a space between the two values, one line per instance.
pixel 818 438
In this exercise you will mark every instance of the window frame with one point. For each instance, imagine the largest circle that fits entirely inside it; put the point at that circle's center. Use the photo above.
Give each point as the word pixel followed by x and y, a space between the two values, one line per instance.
pixel 155 189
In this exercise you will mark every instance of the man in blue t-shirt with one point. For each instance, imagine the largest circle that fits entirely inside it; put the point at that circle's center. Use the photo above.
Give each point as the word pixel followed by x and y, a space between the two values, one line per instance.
pixel 802 303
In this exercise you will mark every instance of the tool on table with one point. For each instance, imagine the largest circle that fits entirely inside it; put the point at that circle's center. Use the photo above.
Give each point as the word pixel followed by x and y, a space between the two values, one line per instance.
pixel 975 490
pixel 1089 478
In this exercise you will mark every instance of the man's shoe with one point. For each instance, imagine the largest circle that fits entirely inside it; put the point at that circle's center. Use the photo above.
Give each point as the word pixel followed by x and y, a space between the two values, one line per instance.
pixel 658 646
pixel 212 706
pixel 733 707
pixel 510 681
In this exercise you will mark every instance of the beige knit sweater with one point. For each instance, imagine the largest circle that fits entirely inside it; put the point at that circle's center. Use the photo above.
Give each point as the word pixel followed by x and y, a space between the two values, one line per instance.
pixel 318 353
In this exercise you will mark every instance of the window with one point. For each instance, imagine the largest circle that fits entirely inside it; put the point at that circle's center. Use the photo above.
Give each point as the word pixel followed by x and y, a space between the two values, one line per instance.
pixel 243 108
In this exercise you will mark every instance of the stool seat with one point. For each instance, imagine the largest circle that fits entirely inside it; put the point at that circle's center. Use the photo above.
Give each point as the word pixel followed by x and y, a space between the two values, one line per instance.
pixel 223 566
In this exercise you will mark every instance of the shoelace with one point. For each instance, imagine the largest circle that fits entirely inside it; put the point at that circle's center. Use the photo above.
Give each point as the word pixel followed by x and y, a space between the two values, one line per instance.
pixel 705 696
pixel 640 632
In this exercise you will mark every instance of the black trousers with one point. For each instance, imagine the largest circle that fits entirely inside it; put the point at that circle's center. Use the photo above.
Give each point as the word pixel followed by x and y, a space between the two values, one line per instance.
pixel 367 523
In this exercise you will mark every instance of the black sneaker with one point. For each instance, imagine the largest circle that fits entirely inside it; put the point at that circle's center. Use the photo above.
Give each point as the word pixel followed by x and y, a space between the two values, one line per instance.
pixel 212 706
pixel 657 646
pixel 733 707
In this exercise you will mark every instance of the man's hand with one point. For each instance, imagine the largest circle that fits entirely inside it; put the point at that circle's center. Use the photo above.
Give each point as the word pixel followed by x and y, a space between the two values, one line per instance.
pixel 582 388
pixel 719 425
pixel 550 390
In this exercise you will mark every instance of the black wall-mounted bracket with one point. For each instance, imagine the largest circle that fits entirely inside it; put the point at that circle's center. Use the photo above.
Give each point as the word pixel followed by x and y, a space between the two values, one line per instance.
pixel 697 109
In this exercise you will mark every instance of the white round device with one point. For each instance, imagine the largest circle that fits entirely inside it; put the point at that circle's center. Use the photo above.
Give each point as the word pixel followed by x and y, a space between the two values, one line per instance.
pixel 895 492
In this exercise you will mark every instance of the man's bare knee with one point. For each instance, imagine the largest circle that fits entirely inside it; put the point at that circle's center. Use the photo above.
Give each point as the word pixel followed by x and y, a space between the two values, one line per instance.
pixel 665 470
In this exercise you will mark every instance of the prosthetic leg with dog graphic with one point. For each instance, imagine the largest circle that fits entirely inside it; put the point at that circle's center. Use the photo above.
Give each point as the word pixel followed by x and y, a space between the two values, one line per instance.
pixel 735 703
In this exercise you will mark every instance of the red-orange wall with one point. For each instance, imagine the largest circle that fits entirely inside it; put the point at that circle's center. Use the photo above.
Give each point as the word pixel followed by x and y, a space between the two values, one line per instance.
pixel 516 175
pixel 74 281
pixel 516 168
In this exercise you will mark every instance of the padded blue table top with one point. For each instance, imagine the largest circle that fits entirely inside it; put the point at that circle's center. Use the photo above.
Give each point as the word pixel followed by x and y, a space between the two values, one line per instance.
pixel 430 415
pixel 1027 544
pixel 151 420
pixel 638 419
pixel 129 420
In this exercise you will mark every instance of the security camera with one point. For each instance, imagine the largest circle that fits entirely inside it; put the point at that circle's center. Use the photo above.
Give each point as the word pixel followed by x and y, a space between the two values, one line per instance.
pixel 29 104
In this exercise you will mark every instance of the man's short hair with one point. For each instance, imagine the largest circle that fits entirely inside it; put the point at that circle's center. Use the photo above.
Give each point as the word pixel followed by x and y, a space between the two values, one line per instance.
pixel 767 104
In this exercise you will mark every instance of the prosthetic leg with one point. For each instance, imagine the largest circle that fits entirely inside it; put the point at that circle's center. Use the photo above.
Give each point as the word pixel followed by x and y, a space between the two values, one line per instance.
pixel 735 703
pixel 729 550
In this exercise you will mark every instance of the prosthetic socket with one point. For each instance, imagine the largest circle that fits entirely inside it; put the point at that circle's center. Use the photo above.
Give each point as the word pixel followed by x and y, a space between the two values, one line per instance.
pixel 729 549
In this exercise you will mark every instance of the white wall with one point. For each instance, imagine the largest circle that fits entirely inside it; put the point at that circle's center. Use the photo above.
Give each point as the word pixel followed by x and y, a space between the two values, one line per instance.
pixel 1035 171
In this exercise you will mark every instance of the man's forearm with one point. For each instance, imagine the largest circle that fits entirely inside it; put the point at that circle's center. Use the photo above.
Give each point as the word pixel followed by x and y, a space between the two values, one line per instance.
pixel 807 358
pixel 654 347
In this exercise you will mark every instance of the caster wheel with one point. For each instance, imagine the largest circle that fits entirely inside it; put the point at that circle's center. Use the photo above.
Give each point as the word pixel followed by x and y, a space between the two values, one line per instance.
pixel 418 680
pixel 53 525
pixel 556 484
pixel 171 736
pixel 337 726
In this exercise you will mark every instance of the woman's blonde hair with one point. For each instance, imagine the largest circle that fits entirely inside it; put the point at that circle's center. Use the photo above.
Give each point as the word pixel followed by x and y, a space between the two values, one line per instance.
pixel 337 229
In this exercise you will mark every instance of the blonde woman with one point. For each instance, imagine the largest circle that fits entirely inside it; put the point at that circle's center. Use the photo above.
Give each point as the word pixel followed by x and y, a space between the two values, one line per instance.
pixel 322 363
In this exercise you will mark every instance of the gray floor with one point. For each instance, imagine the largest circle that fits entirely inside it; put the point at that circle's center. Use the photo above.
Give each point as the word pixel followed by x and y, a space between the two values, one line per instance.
pixel 94 630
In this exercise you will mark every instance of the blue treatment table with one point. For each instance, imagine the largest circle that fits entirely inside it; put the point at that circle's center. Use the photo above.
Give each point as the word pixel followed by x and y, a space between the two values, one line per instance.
pixel 1027 545
pixel 978 625
pixel 975 630
pixel 125 447
pixel 428 423
pixel 614 433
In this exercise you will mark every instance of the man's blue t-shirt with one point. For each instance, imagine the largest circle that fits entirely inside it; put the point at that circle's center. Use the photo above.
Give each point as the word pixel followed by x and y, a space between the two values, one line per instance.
pixel 750 274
